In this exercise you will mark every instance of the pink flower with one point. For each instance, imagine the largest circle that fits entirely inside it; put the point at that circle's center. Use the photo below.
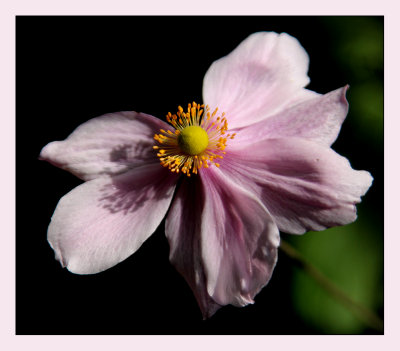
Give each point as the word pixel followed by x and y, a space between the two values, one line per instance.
pixel 230 180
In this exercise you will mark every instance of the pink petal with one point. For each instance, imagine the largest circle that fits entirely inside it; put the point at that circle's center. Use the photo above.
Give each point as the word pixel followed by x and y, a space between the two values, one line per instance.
pixel 105 220
pixel 223 241
pixel 317 119
pixel 304 185
pixel 182 229
pixel 106 145
pixel 257 79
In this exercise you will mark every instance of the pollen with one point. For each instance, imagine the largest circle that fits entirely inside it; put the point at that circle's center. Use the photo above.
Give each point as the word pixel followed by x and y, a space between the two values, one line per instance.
pixel 198 139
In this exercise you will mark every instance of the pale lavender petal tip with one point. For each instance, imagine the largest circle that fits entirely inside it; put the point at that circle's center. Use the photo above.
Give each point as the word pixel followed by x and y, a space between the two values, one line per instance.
pixel 105 220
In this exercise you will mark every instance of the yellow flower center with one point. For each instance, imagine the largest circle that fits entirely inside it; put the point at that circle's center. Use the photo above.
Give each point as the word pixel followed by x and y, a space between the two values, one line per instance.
pixel 193 140
pixel 197 140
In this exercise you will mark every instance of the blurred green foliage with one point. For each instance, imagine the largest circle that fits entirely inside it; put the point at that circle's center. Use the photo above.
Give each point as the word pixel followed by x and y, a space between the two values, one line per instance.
pixel 357 47
pixel 351 256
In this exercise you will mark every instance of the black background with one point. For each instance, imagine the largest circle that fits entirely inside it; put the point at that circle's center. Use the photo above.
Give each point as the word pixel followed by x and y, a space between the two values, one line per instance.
pixel 70 69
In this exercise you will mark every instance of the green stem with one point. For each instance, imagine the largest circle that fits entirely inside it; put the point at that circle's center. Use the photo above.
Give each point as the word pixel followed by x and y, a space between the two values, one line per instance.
pixel 364 314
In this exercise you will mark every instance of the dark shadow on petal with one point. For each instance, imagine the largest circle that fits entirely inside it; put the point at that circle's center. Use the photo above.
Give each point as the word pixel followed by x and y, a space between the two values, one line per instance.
pixel 120 153
pixel 129 156
pixel 129 153
pixel 128 192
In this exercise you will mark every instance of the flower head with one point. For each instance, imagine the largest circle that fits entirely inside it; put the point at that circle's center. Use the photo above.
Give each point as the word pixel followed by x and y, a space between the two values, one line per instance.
pixel 195 142
pixel 253 161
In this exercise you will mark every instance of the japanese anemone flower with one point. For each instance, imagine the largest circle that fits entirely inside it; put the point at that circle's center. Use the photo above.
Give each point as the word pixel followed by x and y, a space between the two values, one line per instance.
pixel 227 184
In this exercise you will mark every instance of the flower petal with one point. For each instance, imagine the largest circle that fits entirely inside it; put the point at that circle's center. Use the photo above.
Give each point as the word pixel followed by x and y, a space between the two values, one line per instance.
pixel 105 220
pixel 182 228
pixel 223 241
pixel 239 241
pixel 106 145
pixel 257 79
pixel 317 119
pixel 304 185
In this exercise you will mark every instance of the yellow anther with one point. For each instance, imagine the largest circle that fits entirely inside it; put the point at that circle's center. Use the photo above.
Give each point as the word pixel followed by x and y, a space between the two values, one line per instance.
pixel 196 142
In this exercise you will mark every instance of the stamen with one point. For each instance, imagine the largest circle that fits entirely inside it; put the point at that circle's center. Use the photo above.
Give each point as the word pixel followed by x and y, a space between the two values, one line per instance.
pixel 198 139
